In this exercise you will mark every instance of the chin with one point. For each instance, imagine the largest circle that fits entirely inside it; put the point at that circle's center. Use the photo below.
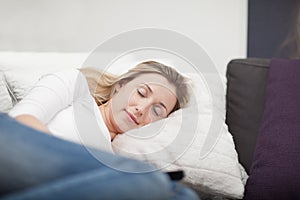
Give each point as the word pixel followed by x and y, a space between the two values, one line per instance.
pixel 128 129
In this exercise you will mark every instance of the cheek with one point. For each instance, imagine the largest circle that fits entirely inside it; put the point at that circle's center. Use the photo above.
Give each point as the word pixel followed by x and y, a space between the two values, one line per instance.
pixel 121 98
pixel 117 103
pixel 149 118
pixel 132 99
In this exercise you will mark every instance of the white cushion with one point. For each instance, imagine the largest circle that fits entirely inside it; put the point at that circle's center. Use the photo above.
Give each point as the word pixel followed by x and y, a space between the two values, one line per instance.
pixel 5 100
pixel 23 69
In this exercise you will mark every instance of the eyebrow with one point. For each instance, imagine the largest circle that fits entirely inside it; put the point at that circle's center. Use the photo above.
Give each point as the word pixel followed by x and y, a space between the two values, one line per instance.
pixel 151 91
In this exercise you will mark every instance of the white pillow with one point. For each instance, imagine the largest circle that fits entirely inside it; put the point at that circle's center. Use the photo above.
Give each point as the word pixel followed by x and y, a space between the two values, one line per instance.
pixel 23 69
pixel 5 100
pixel 217 170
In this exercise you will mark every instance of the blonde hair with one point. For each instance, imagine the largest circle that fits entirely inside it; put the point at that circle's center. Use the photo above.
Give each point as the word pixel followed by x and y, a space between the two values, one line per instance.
pixel 102 85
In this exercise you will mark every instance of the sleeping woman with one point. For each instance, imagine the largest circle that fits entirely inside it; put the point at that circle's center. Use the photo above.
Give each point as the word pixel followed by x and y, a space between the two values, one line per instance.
pixel 146 93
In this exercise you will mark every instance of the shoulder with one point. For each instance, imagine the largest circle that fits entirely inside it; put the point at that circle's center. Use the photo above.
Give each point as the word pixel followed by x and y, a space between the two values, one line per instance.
pixel 69 82
pixel 64 75
pixel 67 78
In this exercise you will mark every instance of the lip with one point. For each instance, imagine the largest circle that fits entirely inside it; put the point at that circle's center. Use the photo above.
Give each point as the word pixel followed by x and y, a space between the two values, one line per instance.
pixel 132 117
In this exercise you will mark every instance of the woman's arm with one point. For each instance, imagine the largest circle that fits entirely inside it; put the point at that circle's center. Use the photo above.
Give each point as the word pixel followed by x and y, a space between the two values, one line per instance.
pixel 32 122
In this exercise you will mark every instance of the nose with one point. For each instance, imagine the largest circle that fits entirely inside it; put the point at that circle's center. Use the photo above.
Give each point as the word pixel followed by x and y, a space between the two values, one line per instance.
pixel 138 112
pixel 142 108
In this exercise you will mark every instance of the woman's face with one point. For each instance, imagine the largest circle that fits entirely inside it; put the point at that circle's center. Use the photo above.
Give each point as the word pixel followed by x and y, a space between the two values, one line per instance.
pixel 145 99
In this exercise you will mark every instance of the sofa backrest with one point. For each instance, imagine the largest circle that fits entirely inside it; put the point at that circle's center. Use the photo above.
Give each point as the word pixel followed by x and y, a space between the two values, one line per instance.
pixel 246 83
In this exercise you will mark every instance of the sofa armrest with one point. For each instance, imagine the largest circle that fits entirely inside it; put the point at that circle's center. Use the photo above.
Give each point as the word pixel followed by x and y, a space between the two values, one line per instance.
pixel 246 83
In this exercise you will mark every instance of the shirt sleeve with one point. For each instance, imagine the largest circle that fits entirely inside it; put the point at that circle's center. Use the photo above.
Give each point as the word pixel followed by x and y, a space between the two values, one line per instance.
pixel 52 93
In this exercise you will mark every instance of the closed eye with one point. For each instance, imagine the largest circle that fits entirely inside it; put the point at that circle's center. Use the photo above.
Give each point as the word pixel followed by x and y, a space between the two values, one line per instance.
pixel 158 110
pixel 142 92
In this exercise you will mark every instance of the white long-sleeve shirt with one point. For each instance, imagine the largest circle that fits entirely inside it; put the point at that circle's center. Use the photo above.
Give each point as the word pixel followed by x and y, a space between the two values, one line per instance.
pixel 63 103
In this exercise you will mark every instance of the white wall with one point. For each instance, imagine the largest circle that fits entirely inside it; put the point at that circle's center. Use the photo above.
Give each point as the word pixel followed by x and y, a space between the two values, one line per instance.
pixel 219 26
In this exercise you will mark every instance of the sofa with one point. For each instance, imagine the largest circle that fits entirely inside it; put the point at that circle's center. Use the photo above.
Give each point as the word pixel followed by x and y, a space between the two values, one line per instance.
pixel 262 114
pixel 246 96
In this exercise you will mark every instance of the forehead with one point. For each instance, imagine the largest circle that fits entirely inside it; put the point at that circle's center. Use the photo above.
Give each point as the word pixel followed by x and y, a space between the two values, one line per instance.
pixel 155 80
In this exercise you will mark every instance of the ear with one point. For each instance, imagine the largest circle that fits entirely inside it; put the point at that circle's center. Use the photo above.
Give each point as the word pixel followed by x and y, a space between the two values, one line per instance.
pixel 119 85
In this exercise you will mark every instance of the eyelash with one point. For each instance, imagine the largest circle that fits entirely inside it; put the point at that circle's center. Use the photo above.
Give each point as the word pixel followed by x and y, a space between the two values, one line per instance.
pixel 141 93
pixel 144 95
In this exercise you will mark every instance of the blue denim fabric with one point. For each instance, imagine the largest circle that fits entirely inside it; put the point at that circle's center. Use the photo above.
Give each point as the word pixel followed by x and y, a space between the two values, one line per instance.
pixel 35 165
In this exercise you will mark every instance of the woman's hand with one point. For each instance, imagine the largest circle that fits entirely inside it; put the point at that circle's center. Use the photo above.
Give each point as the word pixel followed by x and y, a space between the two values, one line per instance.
pixel 32 122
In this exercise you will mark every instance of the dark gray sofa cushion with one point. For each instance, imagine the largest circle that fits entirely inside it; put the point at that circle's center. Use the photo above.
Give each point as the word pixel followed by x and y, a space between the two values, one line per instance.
pixel 246 84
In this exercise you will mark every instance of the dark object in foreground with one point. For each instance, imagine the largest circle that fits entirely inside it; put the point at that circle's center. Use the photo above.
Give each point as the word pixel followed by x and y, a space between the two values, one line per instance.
pixel 176 175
